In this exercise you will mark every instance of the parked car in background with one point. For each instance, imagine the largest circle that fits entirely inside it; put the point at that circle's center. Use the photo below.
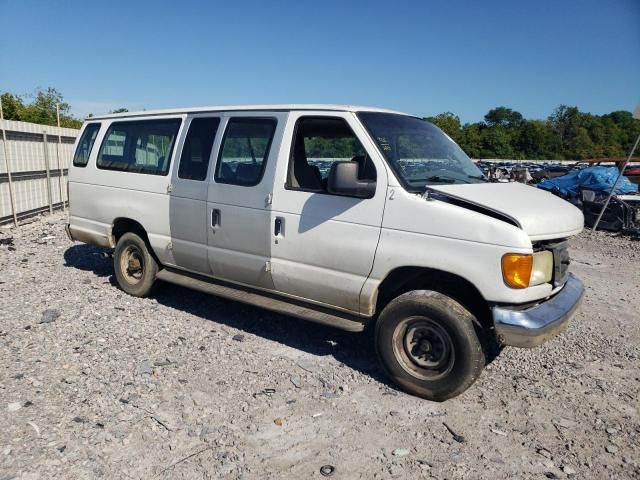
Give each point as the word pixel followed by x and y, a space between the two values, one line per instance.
pixel 348 216
pixel 550 171
pixel 632 172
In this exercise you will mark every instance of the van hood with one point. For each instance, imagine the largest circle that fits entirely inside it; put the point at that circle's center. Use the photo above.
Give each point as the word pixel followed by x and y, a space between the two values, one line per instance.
pixel 540 214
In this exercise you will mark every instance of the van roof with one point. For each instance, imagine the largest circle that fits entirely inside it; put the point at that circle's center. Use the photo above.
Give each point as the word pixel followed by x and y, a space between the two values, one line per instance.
pixel 247 108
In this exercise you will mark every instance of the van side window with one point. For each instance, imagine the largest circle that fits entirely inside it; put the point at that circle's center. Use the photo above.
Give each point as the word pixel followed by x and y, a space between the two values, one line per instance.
pixel 194 160
pixel 244 150
pixel 318 143
pixel 139 146
pixel 81 157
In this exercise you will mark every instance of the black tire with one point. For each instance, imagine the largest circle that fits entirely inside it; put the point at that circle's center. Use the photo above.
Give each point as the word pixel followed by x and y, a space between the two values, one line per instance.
pixel 427 344
pixel 134 265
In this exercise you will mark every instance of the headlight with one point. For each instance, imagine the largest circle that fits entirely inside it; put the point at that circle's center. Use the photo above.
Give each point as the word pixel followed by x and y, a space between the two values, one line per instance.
pixel 525 270
pixel 542 270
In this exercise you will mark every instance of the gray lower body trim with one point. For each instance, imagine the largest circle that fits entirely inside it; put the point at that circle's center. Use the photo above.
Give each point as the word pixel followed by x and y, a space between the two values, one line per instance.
pixel 91 237
pixel 264 300
pixel 535 325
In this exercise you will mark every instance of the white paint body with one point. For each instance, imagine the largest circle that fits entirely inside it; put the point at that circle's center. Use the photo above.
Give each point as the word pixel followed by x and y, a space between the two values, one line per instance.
pixel 333 251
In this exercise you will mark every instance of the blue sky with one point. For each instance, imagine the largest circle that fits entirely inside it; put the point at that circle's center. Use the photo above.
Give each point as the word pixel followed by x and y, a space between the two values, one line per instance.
pixel 421 57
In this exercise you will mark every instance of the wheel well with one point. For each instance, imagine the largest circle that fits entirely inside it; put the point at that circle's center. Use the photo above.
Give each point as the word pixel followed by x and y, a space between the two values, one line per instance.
pixel 125 225
pixel 406 279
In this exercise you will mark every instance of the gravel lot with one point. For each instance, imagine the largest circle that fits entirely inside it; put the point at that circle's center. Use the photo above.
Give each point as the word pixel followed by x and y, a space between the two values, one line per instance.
pixel 94 383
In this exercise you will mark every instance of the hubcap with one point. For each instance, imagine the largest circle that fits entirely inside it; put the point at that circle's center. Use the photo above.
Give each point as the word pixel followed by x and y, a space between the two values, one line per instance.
pixel 423 348
pixel 132 264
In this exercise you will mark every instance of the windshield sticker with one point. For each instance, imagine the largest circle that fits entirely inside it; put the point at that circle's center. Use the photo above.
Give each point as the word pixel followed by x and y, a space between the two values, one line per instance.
pixel 384 144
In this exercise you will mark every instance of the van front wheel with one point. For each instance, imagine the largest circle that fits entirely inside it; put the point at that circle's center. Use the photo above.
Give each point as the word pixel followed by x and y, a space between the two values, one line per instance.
pixel 134 266
pixel 428 345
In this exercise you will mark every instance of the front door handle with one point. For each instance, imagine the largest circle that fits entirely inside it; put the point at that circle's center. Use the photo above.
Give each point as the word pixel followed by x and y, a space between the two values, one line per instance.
pixel 215 217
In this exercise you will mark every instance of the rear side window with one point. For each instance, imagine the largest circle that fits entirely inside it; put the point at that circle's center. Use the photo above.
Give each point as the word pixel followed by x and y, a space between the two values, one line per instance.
pixel 81 157
pixel 139 146
pixel 244 150
pixel 194 160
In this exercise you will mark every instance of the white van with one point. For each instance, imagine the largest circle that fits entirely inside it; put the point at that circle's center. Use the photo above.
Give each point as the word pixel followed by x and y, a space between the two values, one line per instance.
pixel 347 216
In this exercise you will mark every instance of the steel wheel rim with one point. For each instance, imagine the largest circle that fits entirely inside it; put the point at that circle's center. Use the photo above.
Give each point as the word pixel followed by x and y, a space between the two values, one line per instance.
pixel 423 348
pixel 132 264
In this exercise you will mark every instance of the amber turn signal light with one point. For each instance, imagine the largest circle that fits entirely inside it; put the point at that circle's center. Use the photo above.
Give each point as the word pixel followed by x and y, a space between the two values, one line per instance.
pixel 516 269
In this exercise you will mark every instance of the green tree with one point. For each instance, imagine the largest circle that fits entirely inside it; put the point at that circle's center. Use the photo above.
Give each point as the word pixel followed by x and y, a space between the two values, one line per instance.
pixel 120 110
pixel 496 143
pixel 471 141
pixel 535 140
pixel 579 144
pixel 12 106
pixel 42 109
pixel 503 117
pixel 567 133
pixel 449 123
pixel 564 121
pixel 628 129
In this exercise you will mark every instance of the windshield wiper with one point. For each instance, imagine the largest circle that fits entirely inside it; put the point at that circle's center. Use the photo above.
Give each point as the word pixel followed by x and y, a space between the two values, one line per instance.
pixel 478 177
pixel 442 179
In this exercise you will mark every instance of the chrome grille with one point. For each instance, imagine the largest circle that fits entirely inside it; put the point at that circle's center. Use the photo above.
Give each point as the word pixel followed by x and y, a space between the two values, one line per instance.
pixel 561 261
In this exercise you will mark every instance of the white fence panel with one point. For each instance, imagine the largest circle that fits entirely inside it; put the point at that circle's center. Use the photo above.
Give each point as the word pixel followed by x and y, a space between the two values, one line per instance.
pixel 28 155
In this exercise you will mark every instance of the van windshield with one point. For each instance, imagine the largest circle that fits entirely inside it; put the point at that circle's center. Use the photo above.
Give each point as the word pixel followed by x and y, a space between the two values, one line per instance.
pixel 419 152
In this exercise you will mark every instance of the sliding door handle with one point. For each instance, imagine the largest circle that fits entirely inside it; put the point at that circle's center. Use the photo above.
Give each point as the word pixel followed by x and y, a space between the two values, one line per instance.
pixel 215 217
pixel 278 227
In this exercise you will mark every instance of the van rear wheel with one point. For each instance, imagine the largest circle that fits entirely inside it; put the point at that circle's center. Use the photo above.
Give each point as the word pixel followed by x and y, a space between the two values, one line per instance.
pixel 134 265
pixel 427 344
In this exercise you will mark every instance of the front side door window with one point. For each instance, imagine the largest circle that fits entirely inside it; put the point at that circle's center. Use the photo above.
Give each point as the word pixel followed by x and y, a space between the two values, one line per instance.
pixel 318 143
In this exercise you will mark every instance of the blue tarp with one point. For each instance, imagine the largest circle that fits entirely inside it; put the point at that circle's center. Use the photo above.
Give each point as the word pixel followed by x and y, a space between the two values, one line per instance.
pixel 593 178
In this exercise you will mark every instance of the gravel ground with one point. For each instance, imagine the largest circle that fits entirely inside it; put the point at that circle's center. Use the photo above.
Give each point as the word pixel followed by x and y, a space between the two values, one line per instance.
pixel 94 383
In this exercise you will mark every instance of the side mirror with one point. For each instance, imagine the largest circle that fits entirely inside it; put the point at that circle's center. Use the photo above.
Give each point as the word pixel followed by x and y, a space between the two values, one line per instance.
pixel 343 180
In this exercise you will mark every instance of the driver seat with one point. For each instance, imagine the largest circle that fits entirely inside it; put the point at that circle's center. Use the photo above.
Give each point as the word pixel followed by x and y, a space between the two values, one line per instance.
pixel 305 176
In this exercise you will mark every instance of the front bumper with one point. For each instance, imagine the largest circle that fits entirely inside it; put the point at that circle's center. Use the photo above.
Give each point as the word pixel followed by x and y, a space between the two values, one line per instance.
pixel 535 325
